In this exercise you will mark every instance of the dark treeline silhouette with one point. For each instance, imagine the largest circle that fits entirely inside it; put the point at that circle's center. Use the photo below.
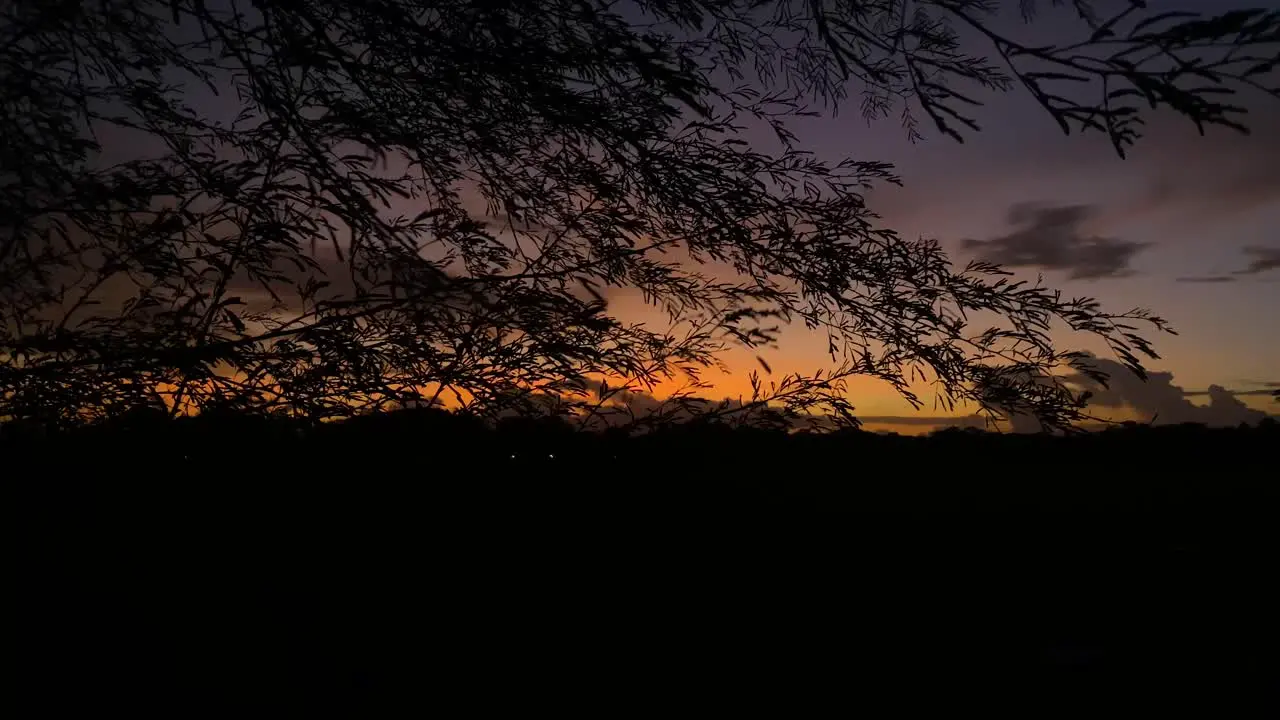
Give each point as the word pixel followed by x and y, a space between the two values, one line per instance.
pixel 240 560
pixel 1131 465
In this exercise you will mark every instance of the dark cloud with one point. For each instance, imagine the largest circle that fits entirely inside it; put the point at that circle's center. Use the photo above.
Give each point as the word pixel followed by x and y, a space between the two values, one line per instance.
pixel 342 281
pixel 1207 178
pixel 627 406
pixel 1264 259
pixel 966 421
pixel 624 406
pixel 1159 399
pixel 1207 279
pixel 328 267
pixel 1054 238
pixel 1196 393
pixel 1266 388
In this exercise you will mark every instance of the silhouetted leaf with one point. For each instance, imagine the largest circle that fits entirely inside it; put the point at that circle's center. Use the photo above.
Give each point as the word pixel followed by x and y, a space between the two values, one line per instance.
pixel 551 155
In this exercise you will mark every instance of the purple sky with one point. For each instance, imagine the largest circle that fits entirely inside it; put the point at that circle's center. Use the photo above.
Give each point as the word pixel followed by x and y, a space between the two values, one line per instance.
pixel 1130 232
pixel 1180 206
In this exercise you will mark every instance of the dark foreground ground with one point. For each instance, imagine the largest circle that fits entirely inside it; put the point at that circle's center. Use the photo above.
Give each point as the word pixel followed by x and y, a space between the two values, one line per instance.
pixel 243 568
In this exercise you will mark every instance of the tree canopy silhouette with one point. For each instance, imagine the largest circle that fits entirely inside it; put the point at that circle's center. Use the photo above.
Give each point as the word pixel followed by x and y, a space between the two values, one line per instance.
pixel 321 208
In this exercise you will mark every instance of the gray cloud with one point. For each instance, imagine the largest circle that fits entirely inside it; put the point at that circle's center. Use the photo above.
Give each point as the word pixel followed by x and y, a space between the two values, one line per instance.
pixel 1195 393
pixel 343 282
pixel 1054 238
pixel 627 406
pixel 1157 399
pixel 965 421
pixel 1210 279
pixel 1167 403
pixel 1266 388
pixel 1264 259
pixel 1207 178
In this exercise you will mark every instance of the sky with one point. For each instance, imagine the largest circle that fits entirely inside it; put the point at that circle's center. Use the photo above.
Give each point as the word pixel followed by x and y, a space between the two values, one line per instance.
pixel 1187 226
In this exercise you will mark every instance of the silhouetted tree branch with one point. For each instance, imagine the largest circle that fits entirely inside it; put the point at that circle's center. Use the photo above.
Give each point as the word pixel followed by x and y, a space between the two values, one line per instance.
pixel 319 208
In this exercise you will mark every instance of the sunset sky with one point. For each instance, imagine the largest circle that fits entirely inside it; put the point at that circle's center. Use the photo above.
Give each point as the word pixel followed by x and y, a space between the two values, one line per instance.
pixel 1186 226
pixel 1190 224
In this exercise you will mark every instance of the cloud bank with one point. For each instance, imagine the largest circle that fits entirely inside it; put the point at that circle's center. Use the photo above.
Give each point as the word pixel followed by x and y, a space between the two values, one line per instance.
pixel 1160 400
pixel 1054 238
pixel 1263 259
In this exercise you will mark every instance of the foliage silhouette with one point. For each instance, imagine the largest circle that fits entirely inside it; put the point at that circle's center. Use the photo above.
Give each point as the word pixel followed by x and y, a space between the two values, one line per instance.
pixel 325 208
pixel 1130 465
pixel 298 561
